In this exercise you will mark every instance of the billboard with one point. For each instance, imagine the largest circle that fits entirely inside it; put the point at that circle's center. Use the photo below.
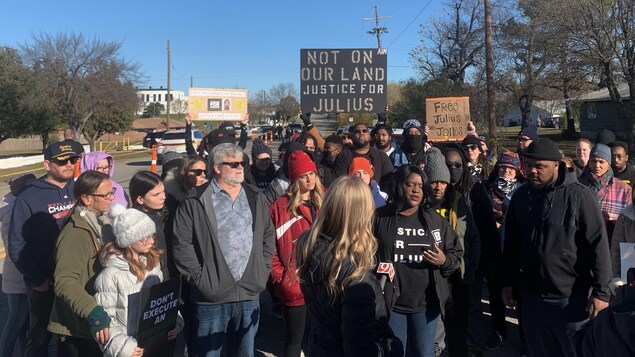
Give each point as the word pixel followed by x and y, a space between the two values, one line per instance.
pixel 447 118
pixel 217 104
pixel 343 80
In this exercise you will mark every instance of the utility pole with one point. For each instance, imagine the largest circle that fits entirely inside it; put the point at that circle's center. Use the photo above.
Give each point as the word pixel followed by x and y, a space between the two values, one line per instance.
pixel 167 120
pixel 191 81
pixel 489 70
pixel 377 30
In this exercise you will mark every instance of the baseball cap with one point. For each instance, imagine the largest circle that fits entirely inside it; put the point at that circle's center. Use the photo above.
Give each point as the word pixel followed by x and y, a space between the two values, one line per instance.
pixel 59 151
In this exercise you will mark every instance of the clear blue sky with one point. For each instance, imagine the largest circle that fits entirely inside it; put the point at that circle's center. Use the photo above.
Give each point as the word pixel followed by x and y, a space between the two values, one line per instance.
pixel 245 44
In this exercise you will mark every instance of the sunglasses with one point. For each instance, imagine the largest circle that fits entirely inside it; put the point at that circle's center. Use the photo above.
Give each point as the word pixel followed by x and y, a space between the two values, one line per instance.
pixel 234 165
pixel 471 147
pixel 58 162
pixel 108 195
pixel 523 139
pixel 361 131
pixel 454 165
pixel 346 137
pixel 198 172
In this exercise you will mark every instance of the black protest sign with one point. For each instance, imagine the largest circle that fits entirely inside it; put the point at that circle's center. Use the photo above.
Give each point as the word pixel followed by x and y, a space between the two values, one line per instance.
pixel 159 311
pixel 343 80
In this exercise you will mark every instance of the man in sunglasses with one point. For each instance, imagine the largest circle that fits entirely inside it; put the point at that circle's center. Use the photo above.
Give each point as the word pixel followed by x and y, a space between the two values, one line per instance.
pixel 382 166
pixel 36 220
pixel 223 245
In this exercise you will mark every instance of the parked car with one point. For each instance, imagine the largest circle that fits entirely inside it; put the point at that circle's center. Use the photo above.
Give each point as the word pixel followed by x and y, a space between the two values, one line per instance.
pixel 296 127
pixel 176 140
pixel 264 128
pixel 553 122
pixel 152 138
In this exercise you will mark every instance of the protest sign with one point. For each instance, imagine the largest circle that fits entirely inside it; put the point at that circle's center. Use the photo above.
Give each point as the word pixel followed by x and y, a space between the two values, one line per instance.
pixel 159 310
pixel 343 80
pixel 447 118
pixel 627 254
pixel 217 104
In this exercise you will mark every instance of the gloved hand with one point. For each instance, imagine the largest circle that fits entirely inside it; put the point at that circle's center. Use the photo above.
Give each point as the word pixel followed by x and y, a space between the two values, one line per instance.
pixel 614 284
pixel 306 119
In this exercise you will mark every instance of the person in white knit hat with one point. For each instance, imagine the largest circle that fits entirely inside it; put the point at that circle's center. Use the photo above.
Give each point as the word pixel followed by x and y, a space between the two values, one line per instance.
pixel 130 263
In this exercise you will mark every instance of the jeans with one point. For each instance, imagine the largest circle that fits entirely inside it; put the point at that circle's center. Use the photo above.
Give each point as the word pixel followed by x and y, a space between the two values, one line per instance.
pixel 234 322
pixel 416 331
pixel 14 332
pixel 38 337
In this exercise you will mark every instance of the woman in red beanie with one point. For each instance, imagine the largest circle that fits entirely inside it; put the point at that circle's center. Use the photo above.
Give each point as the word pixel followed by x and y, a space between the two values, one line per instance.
pixel 292 214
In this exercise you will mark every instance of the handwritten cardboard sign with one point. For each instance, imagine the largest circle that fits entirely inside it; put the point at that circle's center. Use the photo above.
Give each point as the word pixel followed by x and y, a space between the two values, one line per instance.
pixel 343 80
pixel 447 118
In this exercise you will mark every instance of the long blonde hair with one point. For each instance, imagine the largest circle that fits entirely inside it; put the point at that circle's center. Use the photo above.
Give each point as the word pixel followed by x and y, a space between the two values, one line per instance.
pixel 137 267
pixel 295 198
pixel 346 216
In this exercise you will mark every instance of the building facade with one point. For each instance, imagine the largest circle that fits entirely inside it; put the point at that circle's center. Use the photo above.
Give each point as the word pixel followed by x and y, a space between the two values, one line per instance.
pixel 160 95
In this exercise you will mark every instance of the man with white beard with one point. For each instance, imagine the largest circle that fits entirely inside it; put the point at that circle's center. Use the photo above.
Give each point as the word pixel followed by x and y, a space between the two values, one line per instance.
pixel 223 246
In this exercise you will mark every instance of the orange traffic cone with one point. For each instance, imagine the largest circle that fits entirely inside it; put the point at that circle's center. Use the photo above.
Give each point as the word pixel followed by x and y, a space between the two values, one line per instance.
pixel 153 165
pixel 76 173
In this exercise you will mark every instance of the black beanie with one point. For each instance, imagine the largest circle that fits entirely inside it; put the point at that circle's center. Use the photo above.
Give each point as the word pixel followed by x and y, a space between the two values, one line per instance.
pixel 471 140
pixel 605 137
pixel 333 138
pixel 543 149
pixel 258 147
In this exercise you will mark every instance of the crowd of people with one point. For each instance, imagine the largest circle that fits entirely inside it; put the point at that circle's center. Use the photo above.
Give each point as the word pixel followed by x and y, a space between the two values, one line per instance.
pixel 367 247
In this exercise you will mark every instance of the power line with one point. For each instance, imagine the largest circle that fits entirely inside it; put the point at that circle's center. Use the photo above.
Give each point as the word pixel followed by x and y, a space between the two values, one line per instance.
pixel 411 22
pixel 377 30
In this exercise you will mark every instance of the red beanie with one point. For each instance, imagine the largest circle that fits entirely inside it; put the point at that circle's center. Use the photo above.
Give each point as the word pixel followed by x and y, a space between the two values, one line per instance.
pixel 299 164
pixel 360 163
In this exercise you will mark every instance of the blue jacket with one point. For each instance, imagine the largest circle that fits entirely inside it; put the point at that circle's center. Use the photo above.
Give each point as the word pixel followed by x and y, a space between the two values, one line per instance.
pixel 36 220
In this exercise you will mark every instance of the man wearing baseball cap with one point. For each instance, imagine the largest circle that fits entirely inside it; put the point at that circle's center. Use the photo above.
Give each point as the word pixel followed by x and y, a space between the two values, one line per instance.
pixel 556 251
pixel 36 220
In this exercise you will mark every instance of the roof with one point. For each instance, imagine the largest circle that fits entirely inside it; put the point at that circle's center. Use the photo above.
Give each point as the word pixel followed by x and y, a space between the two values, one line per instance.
pixel 603 94
pixel 155 124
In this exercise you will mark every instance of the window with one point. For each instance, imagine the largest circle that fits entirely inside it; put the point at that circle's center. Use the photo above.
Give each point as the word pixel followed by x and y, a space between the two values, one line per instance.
pixel 147 97
pixel 154 97
pixel 159 97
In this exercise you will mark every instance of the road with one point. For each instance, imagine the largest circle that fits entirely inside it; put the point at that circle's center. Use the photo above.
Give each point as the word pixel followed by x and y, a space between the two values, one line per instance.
pixel 270 338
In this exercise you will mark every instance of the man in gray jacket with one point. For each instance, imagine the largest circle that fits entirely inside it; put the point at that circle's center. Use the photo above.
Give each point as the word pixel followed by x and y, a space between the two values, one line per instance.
pixel 223 246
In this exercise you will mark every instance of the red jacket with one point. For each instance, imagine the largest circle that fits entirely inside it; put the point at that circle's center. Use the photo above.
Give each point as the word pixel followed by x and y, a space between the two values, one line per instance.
pixel 286 286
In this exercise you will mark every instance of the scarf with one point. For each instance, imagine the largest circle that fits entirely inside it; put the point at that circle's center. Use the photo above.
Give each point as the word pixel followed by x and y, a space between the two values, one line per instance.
pixel 96 223
pixel 505 185
pixel 475 170
pixel 598 184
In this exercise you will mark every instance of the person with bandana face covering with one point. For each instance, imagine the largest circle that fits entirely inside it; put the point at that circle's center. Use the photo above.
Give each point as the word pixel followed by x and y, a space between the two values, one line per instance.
pixel 413 146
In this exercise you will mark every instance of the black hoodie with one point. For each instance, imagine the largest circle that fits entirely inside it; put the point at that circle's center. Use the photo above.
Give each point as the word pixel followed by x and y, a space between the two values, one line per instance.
pixel 36 220
pixel 555 240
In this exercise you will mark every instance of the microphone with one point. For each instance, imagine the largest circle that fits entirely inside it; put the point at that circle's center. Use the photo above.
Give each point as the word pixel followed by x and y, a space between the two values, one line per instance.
pixel 387 270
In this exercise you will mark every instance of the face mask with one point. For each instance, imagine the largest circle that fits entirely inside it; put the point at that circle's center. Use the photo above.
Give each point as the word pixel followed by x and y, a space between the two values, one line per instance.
pixel 413 143
pixel 505 185
pixel 455 175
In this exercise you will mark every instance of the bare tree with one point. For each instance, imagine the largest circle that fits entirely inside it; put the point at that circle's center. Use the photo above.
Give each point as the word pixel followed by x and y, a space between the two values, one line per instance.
pixel 77 74
pixel 452 45
pixel 282 90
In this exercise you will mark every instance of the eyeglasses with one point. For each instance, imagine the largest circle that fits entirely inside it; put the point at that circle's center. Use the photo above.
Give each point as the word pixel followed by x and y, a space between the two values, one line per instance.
pixel 58 162
pixel 361 131
pixel 198 172
pixel 102 168
pixel 523 139
pixel 107 196
pixel 454 165
pixel 470 147
pixel 234 165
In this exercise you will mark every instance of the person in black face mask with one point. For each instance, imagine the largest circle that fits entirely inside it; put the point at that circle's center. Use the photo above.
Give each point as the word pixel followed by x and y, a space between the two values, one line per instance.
pixel 412 146
pixel 481 208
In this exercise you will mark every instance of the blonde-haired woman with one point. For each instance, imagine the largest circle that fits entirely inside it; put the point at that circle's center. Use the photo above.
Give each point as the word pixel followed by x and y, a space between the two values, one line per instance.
pixel 335 262
pixel 292 214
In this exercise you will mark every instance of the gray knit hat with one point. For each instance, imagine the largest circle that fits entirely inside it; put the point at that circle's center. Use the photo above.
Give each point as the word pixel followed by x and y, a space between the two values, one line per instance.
pixel 601 151
pixel 436 170
pixel 130 225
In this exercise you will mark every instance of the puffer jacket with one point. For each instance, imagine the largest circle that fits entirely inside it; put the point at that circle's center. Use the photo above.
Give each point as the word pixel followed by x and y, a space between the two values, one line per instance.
pixel 351 323
pixel 288 228
pixel 113 286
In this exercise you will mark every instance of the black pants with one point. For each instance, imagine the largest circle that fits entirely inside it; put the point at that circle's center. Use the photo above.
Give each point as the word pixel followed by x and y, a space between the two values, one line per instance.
pixel 457 311
pixel 78 347
pixel 550 323
pixel 496 305
pixel 294 321
pixel 38 337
